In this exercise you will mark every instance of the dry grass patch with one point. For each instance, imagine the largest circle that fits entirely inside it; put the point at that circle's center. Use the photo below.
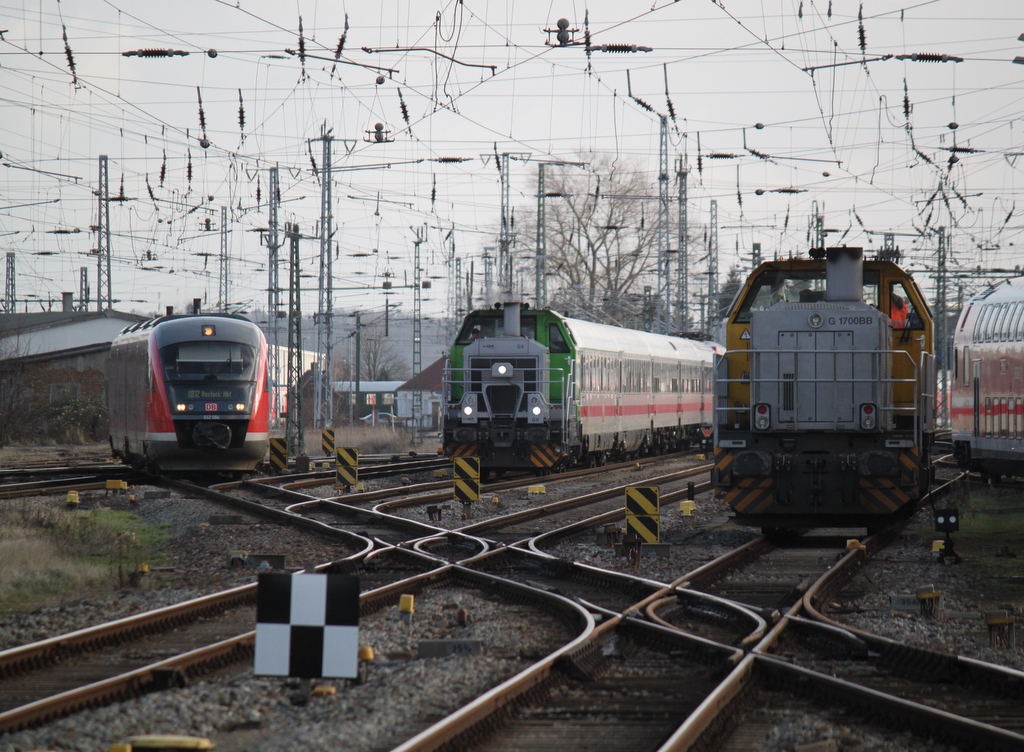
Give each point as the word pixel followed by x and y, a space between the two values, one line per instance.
pixel 48 553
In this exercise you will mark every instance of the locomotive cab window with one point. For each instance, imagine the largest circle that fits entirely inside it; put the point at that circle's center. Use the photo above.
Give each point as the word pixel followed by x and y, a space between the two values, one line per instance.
pixel 481 326
pixel 903 313
pixel 795 286
pixel 556 340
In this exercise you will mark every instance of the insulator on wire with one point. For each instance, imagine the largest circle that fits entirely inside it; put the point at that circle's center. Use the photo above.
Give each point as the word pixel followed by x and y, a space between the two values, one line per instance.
pixel 188 168
pixel 906 101
pixel 259 197
pixel 433 192
pixel 643 104
pixel 202 115
pixel 341 40
pixel 71 58
pixel 619 48
pixel 150 52
pixel 241 112
pixel 163 170
pixel 862 36
pixel 149 188
pixel 930 57
pixel 452 159
pixel 405 110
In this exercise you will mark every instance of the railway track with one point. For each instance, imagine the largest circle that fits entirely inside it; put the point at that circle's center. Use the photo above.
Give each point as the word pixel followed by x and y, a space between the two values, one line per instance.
pixel 709 618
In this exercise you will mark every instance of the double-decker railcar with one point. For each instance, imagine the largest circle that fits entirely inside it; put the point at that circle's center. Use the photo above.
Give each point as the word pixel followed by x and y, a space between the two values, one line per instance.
pixel 189 393
pixel 988 382
pixel 825 396
pixel 530 389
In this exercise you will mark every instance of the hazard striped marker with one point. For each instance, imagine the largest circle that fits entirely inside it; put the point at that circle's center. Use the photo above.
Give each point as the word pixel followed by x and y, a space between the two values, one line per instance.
pixel 643 512
pixel 327 441
pixel 279 455
pixel 466 474
pixel 346 467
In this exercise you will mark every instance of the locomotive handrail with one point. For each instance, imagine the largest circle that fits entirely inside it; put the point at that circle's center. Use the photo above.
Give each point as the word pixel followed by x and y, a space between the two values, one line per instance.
pixel 722 411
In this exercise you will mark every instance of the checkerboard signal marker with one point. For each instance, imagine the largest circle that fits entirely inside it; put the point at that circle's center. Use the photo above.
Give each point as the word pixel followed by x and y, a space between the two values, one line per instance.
pixel 643 512
pixel 466 474
pixel 307 626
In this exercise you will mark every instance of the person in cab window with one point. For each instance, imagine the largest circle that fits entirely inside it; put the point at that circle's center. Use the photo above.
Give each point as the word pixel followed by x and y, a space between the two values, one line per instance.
pixel 898 312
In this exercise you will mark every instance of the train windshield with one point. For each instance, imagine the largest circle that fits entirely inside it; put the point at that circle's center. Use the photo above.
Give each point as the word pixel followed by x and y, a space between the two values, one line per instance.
pixel 795 286
pixel 208 361
pixel 478 325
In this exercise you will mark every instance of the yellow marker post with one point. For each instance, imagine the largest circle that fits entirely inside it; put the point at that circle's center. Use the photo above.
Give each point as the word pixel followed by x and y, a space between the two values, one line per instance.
pixel 406 606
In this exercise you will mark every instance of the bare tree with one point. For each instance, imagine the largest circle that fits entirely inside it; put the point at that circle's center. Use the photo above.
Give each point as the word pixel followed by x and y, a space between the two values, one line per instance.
pixel 379 357
pixel 600 234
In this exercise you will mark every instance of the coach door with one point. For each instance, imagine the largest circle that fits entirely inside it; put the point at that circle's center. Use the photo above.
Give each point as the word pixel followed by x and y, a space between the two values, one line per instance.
pixel 976 386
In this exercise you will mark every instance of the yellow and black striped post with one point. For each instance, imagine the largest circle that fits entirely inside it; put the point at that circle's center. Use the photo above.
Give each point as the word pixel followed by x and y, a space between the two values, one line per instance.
pixel 279 455
pixel 346 468
pixel 643 512
pixel 466 472
pixel 327 441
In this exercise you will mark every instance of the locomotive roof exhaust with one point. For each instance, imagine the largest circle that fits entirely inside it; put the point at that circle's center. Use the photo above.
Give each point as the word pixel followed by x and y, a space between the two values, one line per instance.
pixel 512 319
pixel 844 274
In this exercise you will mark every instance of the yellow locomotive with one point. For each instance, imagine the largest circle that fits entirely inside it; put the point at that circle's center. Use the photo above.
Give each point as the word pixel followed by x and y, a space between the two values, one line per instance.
pixel 824 398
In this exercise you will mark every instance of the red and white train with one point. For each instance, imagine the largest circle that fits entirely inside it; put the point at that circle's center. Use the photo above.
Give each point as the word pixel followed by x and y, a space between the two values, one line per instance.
pixel 988 382
pixel 189 393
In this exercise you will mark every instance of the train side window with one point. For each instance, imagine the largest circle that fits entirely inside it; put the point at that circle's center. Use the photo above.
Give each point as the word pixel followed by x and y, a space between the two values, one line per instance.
pixel 1015 325
pixel 979 325
pixel 988 416
pixel 1003 417
pixel 1001 323
pixel 967 370
pixel 1018 419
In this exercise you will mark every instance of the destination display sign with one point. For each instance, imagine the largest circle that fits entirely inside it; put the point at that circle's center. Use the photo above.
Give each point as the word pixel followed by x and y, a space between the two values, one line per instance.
pixel 209 393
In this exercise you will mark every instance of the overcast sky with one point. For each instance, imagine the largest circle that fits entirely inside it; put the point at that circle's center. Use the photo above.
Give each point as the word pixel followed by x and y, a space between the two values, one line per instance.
pixel 811 120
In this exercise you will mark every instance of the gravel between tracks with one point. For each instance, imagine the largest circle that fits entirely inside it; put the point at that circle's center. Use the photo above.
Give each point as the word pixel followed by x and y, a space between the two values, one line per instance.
pixel 401 694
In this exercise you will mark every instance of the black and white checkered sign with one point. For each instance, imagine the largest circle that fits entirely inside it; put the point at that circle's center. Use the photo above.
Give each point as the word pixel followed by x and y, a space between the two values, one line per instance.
pixel 307 626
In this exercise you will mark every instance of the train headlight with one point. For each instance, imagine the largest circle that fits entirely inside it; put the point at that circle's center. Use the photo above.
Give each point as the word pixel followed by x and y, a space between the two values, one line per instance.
pixel 180 407
pixel 240 406
pixel 868 416
pixel 469 408
pixel 536 410
pixel 762 417
pixel 501 370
